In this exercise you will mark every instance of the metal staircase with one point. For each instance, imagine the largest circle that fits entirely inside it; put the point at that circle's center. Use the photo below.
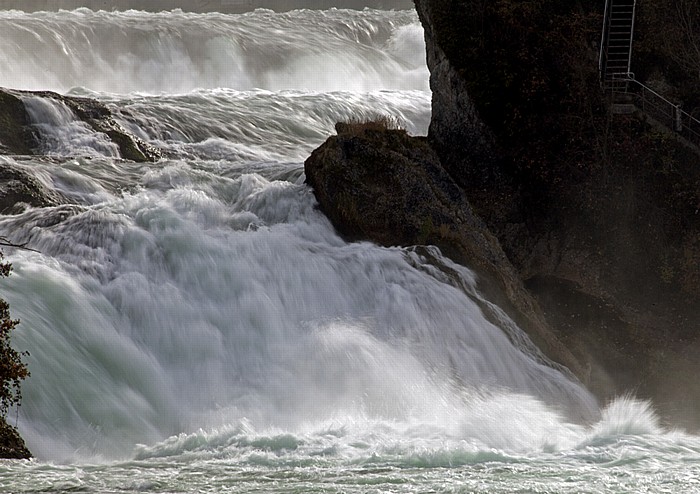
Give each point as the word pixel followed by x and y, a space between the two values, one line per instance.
pixel 616 42
pixel 628 95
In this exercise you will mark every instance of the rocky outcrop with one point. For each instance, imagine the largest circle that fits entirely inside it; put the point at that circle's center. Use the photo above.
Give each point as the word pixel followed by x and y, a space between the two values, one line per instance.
pixel 18 136
pixel 11 444
pixel 388 187
pixel 19 189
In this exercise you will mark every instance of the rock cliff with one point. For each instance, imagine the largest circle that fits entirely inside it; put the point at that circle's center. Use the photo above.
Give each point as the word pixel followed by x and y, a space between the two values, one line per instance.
pixel 595 214
pixel 598 213
pixel 383 185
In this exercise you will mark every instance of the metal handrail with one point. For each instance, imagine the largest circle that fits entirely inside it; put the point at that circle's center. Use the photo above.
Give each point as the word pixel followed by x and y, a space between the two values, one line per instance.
pixel 603 47
pixel 634 16
pixel 657 106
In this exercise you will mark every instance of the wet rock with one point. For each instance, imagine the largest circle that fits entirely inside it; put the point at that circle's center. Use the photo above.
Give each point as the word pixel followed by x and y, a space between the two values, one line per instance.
pixel 11 444
pixel 390 188
pixel 598 214
pixel 100 118
pixel 18 137
pixel 19 189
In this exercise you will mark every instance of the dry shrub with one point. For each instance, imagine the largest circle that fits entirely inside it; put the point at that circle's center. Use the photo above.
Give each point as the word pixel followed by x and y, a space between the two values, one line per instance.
pixel 380 123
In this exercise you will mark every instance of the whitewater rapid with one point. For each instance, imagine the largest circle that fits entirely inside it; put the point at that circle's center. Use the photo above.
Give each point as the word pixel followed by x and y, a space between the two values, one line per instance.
pixel 196 324
pixel 177 52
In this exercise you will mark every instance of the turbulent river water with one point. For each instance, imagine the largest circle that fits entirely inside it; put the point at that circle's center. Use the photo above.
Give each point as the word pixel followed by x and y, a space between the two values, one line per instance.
pixel 196 324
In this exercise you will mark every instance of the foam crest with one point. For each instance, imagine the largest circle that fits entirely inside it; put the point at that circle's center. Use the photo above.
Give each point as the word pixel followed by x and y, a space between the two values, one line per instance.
pixel 625 416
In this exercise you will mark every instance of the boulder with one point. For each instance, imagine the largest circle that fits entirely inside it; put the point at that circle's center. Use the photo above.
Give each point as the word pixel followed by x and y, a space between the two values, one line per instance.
pixel 388 187
pixel 19 189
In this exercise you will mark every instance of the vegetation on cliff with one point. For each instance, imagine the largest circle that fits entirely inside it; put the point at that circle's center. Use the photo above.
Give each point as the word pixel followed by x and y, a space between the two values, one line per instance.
pixel 12 372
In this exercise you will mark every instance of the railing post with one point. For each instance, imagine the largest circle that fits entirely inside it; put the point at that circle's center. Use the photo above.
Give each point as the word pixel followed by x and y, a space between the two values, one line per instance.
pixel 634 14
pixel 602 58
pixel 678 118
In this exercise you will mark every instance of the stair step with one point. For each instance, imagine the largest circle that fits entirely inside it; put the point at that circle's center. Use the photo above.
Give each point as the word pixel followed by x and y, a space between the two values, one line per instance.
pixel 618 44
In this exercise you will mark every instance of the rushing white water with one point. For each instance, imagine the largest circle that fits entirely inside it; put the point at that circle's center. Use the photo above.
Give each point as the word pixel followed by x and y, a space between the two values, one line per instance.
pixel 62 133
pixel 178 52
pixel 196 325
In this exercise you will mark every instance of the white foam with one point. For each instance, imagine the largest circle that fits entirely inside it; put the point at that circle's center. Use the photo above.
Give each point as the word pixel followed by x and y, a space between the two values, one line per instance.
pixel 178 52
pixel 188 305
pixel 61 133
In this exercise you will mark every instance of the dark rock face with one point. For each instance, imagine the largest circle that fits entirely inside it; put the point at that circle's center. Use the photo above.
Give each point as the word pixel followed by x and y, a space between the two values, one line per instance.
pixel 457 131
pixel 18 137
pixel 598 215
pixel 15 134
pixel 11 444
pixel 390 188
pixel 19 189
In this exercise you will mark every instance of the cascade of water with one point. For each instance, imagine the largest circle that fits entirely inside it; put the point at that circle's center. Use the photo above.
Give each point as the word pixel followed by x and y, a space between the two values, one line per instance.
pixel 199 304
pixel 178 52
pixel 206 290
pixel 61 133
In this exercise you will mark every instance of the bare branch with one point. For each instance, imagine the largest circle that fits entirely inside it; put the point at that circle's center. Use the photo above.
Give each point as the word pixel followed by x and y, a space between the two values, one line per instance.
pixel 5 242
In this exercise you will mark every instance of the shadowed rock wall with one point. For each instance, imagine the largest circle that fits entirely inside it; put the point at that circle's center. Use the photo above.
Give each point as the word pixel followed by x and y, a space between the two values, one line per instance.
pixel 598 214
